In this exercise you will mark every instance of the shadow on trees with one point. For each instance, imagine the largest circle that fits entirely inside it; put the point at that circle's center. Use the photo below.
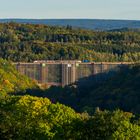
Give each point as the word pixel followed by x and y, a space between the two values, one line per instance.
pixel 109 90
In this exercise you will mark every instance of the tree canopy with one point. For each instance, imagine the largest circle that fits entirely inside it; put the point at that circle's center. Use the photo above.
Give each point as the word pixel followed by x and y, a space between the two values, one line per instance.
pixel 29 117
pixel 39 118
pixel 28 42
pixel 11 81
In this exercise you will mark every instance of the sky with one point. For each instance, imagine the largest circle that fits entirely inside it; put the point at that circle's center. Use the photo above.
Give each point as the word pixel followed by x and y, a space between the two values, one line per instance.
pixel 61 9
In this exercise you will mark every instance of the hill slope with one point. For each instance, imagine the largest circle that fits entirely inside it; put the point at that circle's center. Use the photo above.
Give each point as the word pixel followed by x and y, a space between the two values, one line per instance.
pixel 28 42
pixel 11 81
pixel 37 118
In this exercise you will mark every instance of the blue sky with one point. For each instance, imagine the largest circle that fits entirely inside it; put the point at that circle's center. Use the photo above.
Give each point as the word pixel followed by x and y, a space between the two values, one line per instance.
pixel 93 9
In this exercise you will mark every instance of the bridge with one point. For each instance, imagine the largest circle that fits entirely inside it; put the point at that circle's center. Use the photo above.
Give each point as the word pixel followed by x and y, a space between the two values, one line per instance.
pixel 62 73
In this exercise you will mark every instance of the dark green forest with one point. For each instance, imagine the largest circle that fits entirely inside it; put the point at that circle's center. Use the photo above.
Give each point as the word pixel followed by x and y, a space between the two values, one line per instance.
pixel 108 110
pixel 35 118
pixel 30 117
pixel 27 42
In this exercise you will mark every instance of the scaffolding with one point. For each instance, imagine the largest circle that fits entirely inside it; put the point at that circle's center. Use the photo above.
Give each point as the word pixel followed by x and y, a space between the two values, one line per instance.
pixel 66 72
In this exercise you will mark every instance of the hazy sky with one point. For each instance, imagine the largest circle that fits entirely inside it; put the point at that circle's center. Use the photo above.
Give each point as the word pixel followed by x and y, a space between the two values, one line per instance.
pixel 96 9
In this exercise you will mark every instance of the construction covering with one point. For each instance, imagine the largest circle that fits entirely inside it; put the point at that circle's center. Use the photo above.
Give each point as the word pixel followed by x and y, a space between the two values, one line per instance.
pixel 67 72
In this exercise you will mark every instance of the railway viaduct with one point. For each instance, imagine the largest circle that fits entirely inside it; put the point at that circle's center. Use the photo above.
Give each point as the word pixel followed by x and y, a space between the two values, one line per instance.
pixel 61 73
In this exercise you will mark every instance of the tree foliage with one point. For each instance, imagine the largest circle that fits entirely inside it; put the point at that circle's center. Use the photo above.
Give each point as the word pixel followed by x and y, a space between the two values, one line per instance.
pixel 27 42
pixel 11 81
pixel 29 117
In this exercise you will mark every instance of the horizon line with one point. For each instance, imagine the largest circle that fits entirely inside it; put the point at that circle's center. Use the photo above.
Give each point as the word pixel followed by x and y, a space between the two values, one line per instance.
pixel 69 19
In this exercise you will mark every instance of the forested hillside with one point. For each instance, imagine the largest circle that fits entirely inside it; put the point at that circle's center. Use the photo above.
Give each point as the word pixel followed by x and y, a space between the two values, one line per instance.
pixel 27 117
pixel 11 81
pixel 37 118
pixel 28 42
pixel 32 118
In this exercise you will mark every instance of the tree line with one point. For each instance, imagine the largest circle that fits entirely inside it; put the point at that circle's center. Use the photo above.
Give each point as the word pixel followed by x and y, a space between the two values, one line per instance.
pixel 28 42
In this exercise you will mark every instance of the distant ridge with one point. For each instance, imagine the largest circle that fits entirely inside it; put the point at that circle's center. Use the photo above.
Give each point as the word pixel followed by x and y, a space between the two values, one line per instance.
pixel 93 24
